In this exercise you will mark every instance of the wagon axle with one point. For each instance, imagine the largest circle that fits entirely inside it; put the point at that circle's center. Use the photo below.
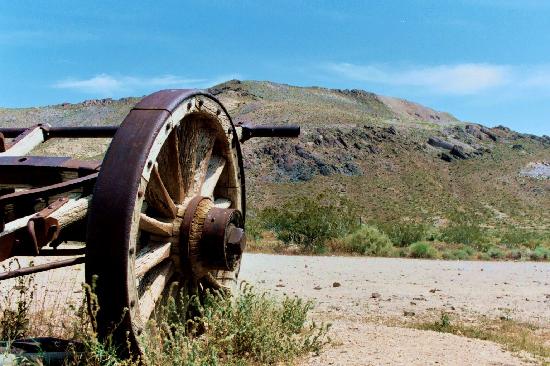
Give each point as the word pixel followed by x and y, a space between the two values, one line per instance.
pixel 167 203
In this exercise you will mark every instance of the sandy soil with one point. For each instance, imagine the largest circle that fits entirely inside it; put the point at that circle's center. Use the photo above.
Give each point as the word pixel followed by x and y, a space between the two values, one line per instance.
pixel 375 290
pixel 364 297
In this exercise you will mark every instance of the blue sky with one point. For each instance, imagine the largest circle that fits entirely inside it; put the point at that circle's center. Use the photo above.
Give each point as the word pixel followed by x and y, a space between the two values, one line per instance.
pixel 486 61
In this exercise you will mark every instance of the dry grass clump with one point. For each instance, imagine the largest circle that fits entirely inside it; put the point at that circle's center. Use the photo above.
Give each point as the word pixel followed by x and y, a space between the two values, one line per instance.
pixel 515 336
pixel 250 329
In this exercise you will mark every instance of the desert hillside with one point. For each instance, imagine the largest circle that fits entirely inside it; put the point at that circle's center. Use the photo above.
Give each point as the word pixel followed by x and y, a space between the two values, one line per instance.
pixel 396 159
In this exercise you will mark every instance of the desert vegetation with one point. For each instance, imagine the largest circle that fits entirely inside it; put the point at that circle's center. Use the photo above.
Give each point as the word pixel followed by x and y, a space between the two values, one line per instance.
pixel 513 335
pixel 323 224
pixel 250 329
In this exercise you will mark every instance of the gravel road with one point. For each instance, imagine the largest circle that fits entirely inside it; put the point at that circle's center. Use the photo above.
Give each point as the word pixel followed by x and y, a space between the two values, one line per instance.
pixel 364 299
pixel 375 290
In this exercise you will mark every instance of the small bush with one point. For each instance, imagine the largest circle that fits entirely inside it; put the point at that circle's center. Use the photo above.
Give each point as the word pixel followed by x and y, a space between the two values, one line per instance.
pixel 367 240
pixel 513 237
pixel 254 329
pixel 422 249
pixel 540 253
pixel 15 307
pixel 404 234
pixel 458 254
pixel 253 226
pixel 463 233
pixel 495 253
pixel 311 222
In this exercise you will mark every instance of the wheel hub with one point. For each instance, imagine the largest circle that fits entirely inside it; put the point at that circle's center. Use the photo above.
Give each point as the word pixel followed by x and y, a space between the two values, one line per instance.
pixel 213 238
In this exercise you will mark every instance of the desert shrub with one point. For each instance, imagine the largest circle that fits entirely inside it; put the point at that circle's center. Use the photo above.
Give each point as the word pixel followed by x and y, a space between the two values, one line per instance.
pixel 253 329
pixel 540 253
pixel 310 222
pixel 464 232
pixel 422 249
pixel 15 306
pixel 513 237
pixel 366 240
pixel 515 254
pixel 463 253
pixel 495 253
pixel 403 234
pixel 253 226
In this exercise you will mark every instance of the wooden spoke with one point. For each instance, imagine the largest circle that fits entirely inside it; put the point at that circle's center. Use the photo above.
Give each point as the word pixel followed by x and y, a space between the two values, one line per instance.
pixel 169 167
pixel 157 195
pixel 154 226
pixel 215 169
pixel 195 152
pixel 210 282
pixel 152 288
pixel 150 256
pixel 222 203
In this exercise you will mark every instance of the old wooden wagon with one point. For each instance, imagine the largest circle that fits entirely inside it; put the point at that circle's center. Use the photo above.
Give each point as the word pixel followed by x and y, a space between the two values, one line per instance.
pixel 167 203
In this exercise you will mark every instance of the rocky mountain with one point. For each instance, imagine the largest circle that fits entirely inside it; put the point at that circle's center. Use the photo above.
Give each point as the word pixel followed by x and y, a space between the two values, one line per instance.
pixel 394 158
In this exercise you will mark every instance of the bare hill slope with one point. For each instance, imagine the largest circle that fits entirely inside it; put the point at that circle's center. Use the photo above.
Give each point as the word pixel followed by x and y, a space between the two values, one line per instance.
pixel 395 158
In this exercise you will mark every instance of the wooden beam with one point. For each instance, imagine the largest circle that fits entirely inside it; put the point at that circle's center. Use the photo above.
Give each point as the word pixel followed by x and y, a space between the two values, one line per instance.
pixel 26 144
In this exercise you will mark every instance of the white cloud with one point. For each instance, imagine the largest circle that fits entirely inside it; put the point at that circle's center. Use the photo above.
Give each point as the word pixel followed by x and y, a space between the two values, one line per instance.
pixel 449 79
pixel 108 85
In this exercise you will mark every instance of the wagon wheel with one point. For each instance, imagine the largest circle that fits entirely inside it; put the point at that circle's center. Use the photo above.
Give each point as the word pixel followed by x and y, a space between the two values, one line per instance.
pixel 168 205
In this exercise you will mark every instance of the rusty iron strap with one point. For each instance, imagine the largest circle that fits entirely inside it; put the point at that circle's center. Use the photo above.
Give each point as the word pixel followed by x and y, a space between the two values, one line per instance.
pixel 35 193
pixel 41 268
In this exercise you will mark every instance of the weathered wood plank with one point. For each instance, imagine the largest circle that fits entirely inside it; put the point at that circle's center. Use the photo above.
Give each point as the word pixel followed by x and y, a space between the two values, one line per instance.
pixel 150 256
pixel 154 226
pixel 215 169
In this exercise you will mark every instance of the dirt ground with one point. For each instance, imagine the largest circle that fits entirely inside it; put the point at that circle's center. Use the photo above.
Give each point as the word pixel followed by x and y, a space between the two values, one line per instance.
pixel 365 300
pixel 375 292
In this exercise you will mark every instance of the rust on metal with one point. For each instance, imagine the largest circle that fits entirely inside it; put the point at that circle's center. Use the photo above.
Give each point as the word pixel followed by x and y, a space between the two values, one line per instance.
pixel 3 143
pixel 222 238
pixel 7 244
pixel 86 182
pixel 40 170
pixel 42 228
pixel 41 268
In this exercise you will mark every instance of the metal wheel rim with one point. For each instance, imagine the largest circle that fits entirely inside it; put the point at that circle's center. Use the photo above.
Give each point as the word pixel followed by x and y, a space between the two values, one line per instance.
pixel 130 166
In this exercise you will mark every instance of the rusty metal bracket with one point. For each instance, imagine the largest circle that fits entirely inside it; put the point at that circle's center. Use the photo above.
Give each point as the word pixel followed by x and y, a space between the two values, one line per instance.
pixel 3 143
pixel 42 228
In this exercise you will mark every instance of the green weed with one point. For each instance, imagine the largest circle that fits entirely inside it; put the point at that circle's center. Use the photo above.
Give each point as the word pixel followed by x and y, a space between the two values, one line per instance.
pixel 367 240
pixel 310 222
pixel 422 249
pixel 515 336
pixel 403 234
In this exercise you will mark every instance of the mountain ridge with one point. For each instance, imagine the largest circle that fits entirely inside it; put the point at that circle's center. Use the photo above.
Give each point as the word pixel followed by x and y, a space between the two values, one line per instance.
pixel 396 159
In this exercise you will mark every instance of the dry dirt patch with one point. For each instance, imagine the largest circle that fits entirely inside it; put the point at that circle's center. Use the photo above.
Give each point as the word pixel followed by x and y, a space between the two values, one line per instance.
pixel 373 292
